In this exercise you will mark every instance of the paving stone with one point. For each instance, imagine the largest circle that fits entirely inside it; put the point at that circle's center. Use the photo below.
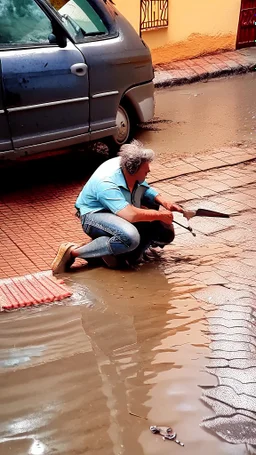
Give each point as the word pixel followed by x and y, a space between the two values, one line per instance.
pixel 218 187
pixel 190 186
pixel 202 192
pixel 233 182
pixel 211 278
pixel 209 164
pixel 221 156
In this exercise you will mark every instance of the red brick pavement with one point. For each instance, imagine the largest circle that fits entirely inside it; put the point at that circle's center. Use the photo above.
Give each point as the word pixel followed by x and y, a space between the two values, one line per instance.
pixel 33 223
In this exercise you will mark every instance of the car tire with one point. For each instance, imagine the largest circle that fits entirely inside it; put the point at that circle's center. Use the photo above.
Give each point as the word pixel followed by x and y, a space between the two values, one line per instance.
pixel 125 129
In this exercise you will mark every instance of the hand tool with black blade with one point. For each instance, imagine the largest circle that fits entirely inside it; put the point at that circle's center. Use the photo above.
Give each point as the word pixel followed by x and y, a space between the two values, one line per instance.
pixel 204 212
pixel 200 212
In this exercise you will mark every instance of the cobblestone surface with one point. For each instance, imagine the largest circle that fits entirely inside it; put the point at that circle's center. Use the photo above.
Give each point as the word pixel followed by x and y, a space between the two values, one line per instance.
pixel 194 70
pixel 217 269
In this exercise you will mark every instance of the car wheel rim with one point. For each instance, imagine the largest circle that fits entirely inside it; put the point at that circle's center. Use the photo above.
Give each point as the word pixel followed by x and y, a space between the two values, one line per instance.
pixel 123 126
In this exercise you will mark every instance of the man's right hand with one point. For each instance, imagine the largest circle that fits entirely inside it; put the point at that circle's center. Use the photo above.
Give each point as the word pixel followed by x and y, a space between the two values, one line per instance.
pixel 166 217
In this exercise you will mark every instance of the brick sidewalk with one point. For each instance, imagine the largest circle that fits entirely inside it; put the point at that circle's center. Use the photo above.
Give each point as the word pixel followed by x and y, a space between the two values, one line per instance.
pixel 210 66
pixel 35 221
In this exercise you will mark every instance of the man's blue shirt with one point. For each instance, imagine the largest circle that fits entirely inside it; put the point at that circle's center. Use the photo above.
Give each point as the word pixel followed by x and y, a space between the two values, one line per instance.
pixel 107 190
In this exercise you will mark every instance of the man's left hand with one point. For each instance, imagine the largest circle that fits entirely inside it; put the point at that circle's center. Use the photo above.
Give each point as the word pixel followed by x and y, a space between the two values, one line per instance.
pixel 168 205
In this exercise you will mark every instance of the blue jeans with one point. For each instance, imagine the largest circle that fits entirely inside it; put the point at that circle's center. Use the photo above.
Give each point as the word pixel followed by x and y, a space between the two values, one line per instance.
pixel 113 235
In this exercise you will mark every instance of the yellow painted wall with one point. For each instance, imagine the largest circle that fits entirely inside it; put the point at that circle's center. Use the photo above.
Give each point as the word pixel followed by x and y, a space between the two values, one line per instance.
pixel 131 10
pixel 58 3
pixel 196 27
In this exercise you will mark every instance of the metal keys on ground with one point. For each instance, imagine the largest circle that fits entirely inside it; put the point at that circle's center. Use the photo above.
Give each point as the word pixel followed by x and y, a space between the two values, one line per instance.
pixel 166 433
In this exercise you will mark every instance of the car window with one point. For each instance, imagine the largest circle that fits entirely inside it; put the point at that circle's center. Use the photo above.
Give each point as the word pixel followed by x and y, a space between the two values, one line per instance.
pixel 23 22
pixel 79 18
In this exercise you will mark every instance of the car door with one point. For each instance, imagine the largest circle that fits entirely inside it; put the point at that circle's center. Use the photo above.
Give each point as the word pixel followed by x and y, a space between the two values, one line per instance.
pixel 46 87
pixel 99 44
pixel 5 140
pixel 116 57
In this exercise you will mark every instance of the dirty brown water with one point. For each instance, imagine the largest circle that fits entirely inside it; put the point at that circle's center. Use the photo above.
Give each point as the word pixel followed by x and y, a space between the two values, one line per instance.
pixel 200 117
pixel 90 376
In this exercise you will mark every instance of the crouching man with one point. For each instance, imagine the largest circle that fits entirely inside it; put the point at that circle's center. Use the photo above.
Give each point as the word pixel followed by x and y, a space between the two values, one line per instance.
pixel 120 212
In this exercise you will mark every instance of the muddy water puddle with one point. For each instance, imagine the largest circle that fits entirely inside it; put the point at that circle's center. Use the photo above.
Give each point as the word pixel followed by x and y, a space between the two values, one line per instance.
pixel 128 351
pixel 194 118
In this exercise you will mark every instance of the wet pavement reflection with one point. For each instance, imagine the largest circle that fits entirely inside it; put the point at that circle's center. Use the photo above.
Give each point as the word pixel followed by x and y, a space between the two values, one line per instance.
pixel 125 352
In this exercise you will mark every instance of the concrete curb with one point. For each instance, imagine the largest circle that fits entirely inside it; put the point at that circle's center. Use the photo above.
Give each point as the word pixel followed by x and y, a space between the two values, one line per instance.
pixel 162 80
pixel 205 68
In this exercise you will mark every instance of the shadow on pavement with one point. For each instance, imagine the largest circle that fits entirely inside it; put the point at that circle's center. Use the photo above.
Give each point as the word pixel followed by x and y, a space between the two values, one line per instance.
pixel 72 165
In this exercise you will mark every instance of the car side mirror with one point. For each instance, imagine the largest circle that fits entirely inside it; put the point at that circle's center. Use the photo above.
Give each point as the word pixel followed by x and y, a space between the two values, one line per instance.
pixel 52 39
pixel 60 39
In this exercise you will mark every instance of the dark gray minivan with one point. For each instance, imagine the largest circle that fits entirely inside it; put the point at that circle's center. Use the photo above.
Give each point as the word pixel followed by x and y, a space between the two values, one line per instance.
pixel 69 76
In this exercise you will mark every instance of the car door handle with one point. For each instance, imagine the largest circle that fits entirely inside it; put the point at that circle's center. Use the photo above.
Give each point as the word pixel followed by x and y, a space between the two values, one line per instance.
pixel 79 69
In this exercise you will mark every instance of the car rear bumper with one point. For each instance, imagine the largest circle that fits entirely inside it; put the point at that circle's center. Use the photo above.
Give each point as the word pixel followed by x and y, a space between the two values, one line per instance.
pixel 142 99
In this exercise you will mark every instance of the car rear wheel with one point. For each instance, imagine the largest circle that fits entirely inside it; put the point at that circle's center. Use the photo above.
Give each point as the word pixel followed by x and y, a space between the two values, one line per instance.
pixel 123 126
pixel 125 129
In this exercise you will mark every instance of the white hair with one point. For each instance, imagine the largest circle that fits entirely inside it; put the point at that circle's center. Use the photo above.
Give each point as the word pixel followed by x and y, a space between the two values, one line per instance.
pixel 133 155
